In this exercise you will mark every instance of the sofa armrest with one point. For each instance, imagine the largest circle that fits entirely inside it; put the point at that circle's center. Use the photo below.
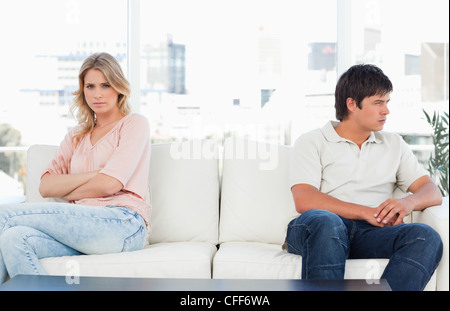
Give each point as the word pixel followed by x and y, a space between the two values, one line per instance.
pixel 437 218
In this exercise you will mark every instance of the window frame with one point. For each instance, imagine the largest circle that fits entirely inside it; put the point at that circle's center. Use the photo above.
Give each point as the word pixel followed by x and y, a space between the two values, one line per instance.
pixel 134 52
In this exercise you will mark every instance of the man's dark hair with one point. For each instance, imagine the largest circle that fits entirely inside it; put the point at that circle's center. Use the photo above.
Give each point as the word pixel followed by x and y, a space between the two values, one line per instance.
pixel 359 82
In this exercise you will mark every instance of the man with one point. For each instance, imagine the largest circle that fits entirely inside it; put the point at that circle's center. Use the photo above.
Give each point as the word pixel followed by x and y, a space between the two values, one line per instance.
pixel 342 179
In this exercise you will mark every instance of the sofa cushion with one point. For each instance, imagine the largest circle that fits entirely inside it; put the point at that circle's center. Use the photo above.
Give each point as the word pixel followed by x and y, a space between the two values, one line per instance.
pixel 268 261
pixel 256 202
pixel 253 260
pixel 184 183
pixel 162 260
pixel 38 157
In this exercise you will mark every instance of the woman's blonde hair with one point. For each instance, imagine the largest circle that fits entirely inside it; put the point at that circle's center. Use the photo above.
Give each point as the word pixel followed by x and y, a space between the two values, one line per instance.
pixel 110 67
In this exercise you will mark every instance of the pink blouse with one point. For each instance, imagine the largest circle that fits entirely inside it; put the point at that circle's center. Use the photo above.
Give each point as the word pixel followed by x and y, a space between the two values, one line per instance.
pixel 123 153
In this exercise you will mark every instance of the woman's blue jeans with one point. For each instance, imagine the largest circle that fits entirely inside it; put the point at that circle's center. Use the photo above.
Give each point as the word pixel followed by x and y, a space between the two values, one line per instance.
pixel 325 240
pixel 31 231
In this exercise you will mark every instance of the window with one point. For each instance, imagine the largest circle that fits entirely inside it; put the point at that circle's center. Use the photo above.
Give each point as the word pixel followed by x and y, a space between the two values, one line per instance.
pixel 243 67
pixel 261 69
pixel 43 46
pixel 409 41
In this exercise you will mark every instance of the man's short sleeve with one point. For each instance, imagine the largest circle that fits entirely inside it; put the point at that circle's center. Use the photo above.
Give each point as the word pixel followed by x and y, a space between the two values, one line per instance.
pixel 409 169
pixel 305 166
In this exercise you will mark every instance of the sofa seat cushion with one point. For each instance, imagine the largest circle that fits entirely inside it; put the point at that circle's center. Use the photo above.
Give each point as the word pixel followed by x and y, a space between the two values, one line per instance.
pixel 162 260
pixel 254 260
pixel 268 261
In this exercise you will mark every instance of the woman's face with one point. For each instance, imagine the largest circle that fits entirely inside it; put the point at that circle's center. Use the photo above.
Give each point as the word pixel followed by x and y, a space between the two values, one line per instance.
pixel 99 94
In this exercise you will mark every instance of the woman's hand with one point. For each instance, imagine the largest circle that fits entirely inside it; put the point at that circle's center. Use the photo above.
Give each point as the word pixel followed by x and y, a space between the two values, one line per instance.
pixel 99 186
pixel 60 185
pixel 61 167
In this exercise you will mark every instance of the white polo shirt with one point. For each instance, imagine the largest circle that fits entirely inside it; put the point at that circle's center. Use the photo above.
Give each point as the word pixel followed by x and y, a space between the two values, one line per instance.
pixel 366 176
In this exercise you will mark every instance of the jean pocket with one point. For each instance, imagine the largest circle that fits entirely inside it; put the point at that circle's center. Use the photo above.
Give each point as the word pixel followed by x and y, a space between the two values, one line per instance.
pixel 136 240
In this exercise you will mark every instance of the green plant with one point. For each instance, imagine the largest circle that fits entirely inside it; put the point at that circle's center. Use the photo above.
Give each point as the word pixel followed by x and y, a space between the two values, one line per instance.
pixel 10 162
pixel 438 165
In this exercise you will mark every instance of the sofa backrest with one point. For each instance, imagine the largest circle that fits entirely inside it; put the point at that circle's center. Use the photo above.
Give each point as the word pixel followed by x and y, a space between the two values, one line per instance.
pixel 38 157
pixel 256 202
pixel 184 189
pixel 184 183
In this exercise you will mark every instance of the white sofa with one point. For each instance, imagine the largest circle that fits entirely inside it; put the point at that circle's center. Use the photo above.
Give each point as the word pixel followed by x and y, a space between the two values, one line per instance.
pixel 192 184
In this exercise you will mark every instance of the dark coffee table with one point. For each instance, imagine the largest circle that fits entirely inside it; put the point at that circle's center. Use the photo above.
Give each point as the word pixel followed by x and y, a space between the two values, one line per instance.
pixel 194 294
pixel 61 283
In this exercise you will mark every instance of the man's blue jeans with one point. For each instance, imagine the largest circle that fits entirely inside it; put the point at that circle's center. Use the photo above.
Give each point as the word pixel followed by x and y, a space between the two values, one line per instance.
pixel 325 240
pixel 30 231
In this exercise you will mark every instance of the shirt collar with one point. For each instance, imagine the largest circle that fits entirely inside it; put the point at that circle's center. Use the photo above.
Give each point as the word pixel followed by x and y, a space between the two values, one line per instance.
pixel 331 135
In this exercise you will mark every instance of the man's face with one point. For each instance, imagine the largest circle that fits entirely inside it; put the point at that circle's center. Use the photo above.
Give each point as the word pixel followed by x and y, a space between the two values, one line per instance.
pixel 373 113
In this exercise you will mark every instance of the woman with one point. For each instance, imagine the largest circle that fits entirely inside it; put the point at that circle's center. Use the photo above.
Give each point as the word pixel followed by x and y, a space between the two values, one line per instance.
pixel 101 169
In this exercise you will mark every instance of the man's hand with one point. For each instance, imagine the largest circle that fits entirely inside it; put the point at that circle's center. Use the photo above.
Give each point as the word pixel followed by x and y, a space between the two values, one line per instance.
pixel 391 212
pixel 307 197
pixel 425 194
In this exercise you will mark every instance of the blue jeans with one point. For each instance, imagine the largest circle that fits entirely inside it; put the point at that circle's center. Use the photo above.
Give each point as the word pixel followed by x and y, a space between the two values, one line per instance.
pixel 325 240
pixel 30 231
